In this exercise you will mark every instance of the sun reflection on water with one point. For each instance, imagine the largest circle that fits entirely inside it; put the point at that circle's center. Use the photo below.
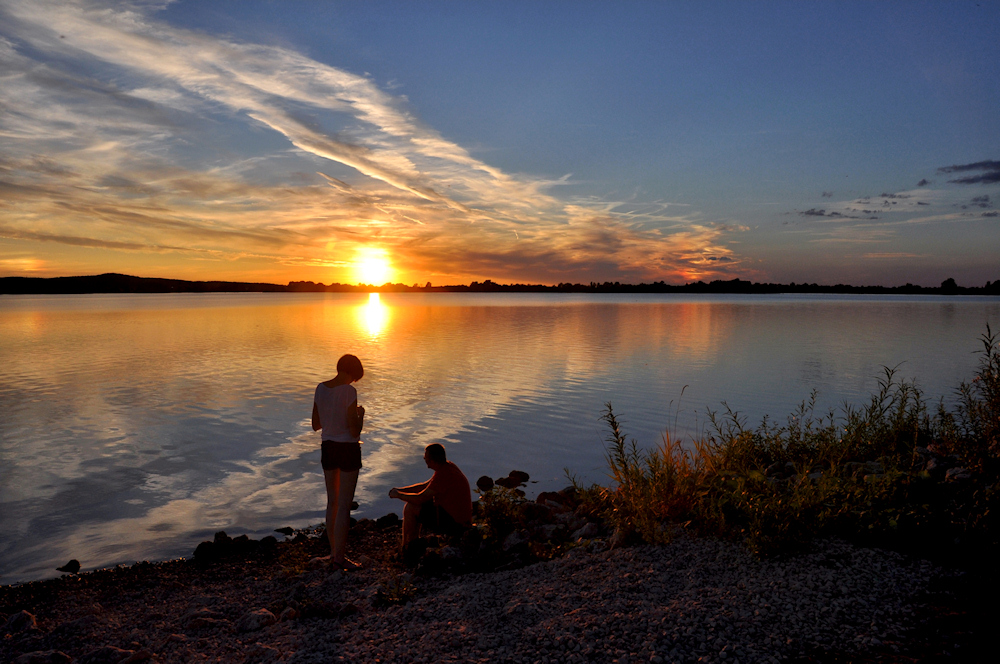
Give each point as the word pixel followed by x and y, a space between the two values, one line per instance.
pixel 373 315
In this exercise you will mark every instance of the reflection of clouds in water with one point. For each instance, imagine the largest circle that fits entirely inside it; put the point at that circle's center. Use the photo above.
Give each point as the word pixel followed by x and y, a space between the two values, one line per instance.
pixel 192 402
pixel 256 498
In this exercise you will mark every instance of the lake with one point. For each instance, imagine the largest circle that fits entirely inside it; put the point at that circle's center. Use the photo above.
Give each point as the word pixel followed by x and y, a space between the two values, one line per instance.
pixel 133 427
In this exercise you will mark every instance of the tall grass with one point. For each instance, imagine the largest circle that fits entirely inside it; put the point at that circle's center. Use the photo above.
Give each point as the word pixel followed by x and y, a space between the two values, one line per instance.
pixel 858 473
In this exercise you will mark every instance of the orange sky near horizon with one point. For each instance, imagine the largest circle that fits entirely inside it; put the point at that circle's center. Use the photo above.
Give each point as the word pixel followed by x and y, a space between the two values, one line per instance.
pixel 309 143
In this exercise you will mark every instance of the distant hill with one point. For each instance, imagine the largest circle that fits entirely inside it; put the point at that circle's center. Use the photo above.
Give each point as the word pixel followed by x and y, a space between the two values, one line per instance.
pixel 122 283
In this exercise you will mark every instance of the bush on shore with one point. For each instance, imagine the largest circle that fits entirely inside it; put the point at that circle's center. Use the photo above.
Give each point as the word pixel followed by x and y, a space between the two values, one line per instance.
pixel 891 472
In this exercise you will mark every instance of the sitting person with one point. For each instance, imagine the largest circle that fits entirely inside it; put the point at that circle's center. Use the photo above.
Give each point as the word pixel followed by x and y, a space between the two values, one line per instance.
pixel 442 504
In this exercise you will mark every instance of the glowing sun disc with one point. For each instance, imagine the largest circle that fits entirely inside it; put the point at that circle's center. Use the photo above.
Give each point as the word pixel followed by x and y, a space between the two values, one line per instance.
pixel 373 270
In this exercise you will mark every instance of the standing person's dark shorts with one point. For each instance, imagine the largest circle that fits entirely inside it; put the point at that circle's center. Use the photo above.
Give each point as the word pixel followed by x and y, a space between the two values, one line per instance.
pixel 345 456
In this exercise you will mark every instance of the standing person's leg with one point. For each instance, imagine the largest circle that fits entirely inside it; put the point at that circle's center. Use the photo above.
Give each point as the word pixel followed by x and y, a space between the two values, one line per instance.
pixel 332 478
pixel 348 481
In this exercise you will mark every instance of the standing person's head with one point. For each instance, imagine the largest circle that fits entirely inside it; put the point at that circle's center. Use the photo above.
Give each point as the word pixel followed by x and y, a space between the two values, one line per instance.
pixel 351 365
pixel 434 455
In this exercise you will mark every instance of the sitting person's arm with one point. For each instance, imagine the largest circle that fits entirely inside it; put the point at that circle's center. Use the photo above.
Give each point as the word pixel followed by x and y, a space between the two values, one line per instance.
pixel 415 493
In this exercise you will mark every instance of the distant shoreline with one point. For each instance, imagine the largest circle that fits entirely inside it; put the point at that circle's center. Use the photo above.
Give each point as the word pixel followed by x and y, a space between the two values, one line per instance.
pixel 121 283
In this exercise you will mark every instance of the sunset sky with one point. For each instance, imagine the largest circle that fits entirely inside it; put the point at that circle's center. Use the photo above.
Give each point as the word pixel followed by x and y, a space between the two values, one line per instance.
pixel 530 142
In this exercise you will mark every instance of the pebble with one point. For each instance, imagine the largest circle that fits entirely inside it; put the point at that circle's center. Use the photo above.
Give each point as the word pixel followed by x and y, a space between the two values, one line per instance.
pixel 694 599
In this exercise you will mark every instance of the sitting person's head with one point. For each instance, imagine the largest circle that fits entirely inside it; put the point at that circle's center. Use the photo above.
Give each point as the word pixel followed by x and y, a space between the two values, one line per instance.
pixel 434 455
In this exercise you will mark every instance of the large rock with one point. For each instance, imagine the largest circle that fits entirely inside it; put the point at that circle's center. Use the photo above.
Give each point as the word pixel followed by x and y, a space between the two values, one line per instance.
pixel 203 618
pixel 106 655
pixel 390 520
pixel 550 497
pixel 43 657
pixel 77 627
pixel 22 621
pixel 536 512
pixel 588 531
pixel 549 531
pixel 72 567
pixel 255 620
pixel 957 474
pixel 516 539
pixel 508 482
pixel 205 552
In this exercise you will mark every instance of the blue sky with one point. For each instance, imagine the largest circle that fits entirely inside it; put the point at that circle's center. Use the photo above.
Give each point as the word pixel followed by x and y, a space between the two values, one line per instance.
pixel 519 141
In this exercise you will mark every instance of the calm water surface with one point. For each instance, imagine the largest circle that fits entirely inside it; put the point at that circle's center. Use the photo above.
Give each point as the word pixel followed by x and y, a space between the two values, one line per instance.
pixel 134 426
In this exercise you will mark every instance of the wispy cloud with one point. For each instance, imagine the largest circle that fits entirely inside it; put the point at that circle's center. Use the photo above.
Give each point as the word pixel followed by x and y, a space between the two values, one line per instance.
pixel 122 132
pixel 990 172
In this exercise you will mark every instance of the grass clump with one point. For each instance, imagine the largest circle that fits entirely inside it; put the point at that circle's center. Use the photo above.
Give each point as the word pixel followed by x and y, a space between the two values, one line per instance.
pixel 890 472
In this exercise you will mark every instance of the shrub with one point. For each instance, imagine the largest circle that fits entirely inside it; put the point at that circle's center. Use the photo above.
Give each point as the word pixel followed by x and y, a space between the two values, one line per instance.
pixel 859 474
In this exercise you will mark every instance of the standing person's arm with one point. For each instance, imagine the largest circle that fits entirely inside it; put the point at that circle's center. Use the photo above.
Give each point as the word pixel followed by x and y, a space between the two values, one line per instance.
pixel 317 425
pixel 355 419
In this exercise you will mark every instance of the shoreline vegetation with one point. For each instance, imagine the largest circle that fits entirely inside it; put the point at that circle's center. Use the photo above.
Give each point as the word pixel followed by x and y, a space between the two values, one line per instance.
pixel 121 283
pixel 800 541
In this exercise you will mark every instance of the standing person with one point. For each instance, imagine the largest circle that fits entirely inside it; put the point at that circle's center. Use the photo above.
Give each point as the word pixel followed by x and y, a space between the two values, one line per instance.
pixel 337 413
pixel 442 504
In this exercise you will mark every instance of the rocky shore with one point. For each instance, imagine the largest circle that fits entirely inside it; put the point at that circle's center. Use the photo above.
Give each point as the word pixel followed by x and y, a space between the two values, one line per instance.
pixel 597 598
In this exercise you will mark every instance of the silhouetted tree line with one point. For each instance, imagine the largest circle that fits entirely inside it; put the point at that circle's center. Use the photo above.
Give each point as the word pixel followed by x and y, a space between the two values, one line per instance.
pixel 121 283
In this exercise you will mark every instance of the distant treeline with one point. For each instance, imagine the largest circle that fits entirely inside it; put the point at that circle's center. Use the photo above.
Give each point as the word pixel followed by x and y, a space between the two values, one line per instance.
pixel 121 283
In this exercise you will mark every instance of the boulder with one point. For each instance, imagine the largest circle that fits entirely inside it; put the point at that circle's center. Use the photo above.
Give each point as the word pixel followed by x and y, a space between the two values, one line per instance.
pixel 623 536
pixel 588 531
pixel 201 618
pixel 22 621
pixel 957 474
pixel 255 620
pixel 263 654
pixel 43 657
pixel 286 531
pixel 549 531
pixel 450 553
pixel 205 552
pixel 519 475
pixel 72 567
pixel 75 628
pixel 106 655
pixel 243 544
pixel 516 539
pixel 390 520
pixel 348 610
pixel 854 468
pixel 472 540
pixel 536 512
pixel 222 540
pixel 484 483
pixel 508 482
pixel 937 466
pixel 550 497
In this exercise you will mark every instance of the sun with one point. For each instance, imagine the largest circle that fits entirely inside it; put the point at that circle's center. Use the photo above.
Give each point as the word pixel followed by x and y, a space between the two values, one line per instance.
pixel 372 267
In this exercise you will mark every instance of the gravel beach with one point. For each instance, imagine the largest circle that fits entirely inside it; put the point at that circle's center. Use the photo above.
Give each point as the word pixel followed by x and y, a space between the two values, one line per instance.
pixel 693 600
